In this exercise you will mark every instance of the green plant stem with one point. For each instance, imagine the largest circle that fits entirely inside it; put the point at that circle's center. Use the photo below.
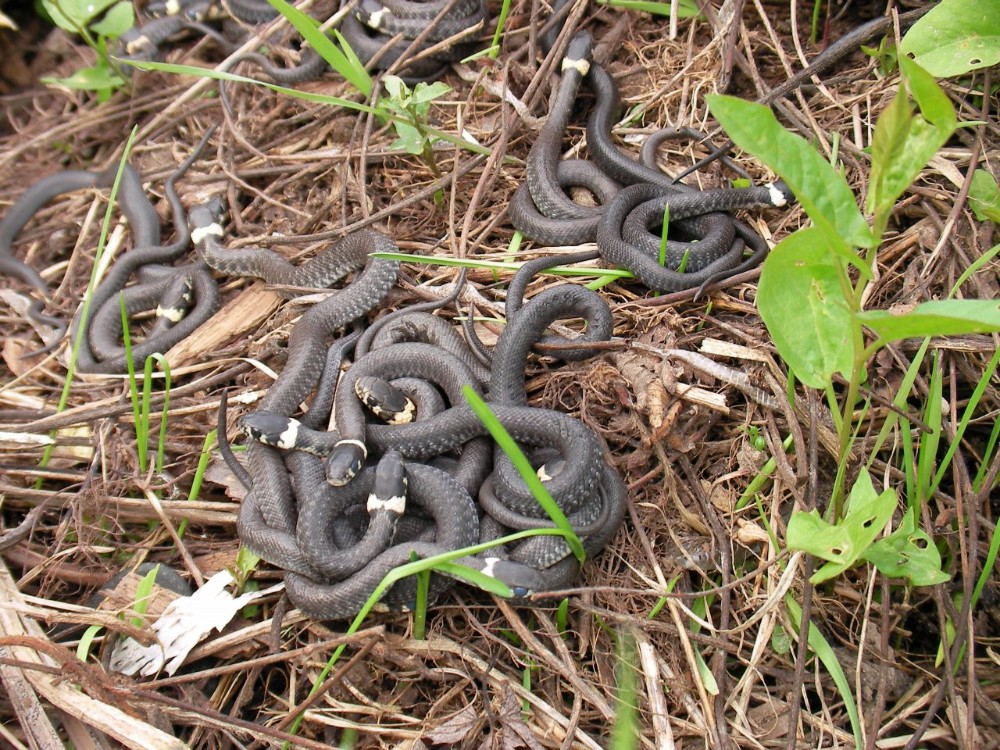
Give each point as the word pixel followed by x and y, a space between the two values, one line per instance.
pixel 81 331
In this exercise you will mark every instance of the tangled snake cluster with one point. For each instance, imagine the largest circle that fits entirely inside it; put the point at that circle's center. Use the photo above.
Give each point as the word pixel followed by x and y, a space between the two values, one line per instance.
pixel 422 37
pixel 407 468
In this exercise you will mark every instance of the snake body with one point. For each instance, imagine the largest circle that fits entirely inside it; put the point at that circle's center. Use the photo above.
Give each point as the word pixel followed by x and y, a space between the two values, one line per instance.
pixel 329 549
pixel 708 241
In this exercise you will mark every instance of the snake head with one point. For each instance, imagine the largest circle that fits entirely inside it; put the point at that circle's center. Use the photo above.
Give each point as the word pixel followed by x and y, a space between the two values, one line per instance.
pixel 781 194
pixel 371 12
pixel 385 400
pixel 523 580
pixel 578 53
pixel 389 491
pixel 207 218
pixel 551 469
pixel 270 429
pixel 345 461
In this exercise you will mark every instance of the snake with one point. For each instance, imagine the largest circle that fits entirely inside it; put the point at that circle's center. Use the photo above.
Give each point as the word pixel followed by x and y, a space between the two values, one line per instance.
pixel 143 221
pixel 143 42
pixel 102 350
pixel 458 424
pixel 455 524
pixel 706 244
pixel 410 19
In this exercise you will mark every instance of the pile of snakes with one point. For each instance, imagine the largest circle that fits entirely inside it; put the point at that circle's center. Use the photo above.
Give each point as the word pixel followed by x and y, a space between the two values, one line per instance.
pixel 424 36
pixel 352 471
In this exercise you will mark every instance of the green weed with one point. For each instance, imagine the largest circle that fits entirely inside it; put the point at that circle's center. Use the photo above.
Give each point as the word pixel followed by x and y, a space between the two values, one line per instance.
pixel 97 22
pixel 810 297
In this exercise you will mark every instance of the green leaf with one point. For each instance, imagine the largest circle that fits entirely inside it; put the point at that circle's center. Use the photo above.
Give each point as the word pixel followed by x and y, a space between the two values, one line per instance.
pixel 72 15
pixel 345 64
pixel 246 561
pixel 904 142
pixel 948 317
pixel 822 191
pixel 685 8
pixel 908 553
pixel 424 93
pixel 397 89
pixel 119 19
pixel 821 647
pixel 801 299
pixel 955 37
pixel 846 542
pixel 984 196
pixel 86 641
pixel 476 578
pixel 409 138
pixel 94 78
pixel 143 594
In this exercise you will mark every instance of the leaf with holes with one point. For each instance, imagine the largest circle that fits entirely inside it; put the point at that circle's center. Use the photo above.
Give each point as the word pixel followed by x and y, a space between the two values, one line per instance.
pixel 955 37
pixel 908 553
pixel 843 544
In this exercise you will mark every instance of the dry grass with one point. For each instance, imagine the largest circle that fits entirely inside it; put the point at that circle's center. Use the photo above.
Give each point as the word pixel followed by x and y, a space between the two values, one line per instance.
pixel 490 675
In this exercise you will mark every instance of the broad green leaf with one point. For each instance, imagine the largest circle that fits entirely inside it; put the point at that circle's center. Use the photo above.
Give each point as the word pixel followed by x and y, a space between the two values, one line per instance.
pixel 935 107
pixel 905 141
pixel 984 196
pixel 72 15
pixel 948 317
pixel 398 91
pixel 908 553
pixel 424 93
pixel 88 79
pixel 409 138
pixel 119 19
pixel 822 191
pixel 246 561
pixel 821 647
pixel 846 542
pixel 955 37
pixel 801 299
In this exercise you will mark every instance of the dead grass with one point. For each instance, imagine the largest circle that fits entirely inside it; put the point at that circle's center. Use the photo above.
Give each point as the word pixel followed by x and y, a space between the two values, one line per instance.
pixel 490 675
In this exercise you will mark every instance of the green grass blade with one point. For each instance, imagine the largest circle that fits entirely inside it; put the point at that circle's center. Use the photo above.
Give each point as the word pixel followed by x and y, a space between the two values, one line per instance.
pixel 625 730
pixel 963 423
pixel 494 48
pixel 440 260
pixel 78 341
pixel 220 75
pixel 139 416
pixel 523 466
pixel 347 66
pixel 821 647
